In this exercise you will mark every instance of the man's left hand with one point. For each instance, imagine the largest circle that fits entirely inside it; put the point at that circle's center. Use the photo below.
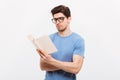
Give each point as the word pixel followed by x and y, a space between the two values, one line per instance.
pixel 45 56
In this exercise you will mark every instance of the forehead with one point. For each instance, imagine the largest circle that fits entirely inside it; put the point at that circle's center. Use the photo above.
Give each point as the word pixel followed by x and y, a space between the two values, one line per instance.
pixel 58 15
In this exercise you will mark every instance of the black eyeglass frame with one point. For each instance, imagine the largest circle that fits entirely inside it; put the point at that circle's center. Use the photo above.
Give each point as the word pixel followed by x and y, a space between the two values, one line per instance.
pixel 59 19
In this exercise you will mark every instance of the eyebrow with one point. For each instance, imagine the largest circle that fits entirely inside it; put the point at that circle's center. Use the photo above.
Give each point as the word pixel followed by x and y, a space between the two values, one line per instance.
pixel 58 17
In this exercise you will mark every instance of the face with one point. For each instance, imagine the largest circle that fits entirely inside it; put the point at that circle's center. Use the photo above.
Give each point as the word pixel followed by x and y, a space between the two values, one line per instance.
pixel 61 21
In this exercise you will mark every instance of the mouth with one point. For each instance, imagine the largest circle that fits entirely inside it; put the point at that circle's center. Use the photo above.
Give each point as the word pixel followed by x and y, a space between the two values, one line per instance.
pixel 58 26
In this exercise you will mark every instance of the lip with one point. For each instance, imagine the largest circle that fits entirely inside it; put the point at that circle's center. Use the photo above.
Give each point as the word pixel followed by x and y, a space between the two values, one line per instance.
pixel 58 26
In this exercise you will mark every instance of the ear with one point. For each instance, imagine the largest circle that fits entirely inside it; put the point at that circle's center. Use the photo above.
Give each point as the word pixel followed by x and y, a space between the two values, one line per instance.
pixel 69 19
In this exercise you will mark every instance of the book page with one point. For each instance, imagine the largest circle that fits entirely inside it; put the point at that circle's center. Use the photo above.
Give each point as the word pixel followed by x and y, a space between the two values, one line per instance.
pixel 44 43
pixel 32 39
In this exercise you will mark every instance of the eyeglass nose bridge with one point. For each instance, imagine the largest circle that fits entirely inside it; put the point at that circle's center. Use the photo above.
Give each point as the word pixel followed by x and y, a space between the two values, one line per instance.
pixel 57 21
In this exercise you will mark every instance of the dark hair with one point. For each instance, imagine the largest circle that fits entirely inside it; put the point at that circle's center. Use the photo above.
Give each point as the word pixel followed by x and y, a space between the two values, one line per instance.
pixel 61 9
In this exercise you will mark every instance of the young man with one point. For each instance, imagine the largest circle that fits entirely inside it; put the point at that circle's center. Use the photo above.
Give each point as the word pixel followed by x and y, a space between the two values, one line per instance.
pixel 67 61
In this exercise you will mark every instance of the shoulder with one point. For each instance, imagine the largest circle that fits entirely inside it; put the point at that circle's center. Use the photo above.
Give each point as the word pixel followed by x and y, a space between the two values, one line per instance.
pixel 53 35
pixel 78 40
pixel 77 37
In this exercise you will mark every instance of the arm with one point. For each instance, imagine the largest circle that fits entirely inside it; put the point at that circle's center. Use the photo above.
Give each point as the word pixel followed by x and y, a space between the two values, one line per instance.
pixel 72 67
pixel 47 67
pixel 44 65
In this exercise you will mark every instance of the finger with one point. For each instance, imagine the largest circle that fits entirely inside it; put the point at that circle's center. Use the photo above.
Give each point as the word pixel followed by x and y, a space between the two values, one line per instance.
pixel 40 55
pixel 43 57
pixel 38 51
pixel 42 52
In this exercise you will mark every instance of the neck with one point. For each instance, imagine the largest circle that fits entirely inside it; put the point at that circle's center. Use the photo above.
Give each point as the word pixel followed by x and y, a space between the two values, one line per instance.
pixel 67 32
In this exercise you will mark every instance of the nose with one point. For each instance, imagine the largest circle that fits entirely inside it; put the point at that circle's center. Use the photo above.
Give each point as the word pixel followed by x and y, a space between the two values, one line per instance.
pixel 57 22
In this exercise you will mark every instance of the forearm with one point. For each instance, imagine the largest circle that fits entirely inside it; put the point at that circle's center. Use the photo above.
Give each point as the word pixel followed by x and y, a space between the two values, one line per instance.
pixel 47 67
pixel 71 67
pixel 50 64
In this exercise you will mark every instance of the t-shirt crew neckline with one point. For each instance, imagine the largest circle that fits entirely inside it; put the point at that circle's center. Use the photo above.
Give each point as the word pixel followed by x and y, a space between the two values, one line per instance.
pixel 65 36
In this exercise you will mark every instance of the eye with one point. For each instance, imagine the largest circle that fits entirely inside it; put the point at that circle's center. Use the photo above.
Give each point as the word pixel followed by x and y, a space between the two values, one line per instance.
pixel 61 18
pixel 55 19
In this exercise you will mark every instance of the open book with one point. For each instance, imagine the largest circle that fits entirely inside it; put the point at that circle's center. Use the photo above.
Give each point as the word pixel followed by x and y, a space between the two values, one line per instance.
pixel 44 43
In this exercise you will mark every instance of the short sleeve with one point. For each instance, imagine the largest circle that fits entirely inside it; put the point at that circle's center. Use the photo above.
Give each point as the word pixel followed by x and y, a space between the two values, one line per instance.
pixel 79 47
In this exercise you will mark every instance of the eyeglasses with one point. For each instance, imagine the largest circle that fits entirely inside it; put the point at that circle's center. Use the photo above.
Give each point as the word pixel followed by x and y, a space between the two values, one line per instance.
pixel 59 19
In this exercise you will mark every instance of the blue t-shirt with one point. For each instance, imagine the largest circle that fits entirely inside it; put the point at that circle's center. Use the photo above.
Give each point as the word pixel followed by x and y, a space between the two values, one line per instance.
pixel 67 47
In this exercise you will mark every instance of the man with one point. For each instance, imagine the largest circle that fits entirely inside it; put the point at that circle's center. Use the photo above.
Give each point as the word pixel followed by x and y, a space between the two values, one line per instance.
pixel 67 61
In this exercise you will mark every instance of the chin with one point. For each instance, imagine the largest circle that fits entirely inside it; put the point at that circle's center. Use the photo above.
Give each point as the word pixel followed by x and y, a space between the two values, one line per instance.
pixel 61 30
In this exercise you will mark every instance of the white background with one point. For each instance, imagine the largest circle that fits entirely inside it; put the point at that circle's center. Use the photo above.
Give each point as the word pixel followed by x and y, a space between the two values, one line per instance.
pixel 98 21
